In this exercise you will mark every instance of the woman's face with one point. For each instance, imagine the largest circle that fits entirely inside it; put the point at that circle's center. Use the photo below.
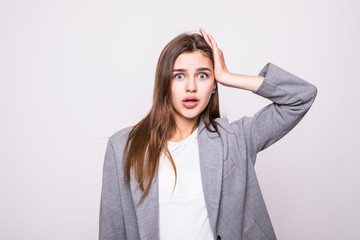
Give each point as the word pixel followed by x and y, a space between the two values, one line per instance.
pixel 191 85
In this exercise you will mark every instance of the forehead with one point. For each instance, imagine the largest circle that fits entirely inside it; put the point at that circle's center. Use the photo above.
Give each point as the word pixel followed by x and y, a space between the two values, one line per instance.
pixel 192 60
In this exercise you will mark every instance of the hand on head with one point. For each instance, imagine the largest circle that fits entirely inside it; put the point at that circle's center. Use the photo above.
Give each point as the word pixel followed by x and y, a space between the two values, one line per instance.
pixel 220 68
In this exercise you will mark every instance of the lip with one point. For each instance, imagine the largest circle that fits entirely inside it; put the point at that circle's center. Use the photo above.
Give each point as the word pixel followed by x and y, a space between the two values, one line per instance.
pixel 190 102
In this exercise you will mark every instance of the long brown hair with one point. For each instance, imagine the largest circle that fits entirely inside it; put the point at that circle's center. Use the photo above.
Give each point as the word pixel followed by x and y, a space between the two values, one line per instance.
pixel 148 138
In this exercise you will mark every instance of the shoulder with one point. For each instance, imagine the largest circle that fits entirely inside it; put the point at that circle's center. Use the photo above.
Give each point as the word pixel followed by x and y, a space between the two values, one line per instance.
pixel 120 136
pixel 230 127
pixel 224 126
pixel 237 127
pixel 222 120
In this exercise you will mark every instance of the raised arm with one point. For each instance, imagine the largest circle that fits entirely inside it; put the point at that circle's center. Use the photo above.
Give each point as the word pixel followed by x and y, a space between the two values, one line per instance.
pixel 292 97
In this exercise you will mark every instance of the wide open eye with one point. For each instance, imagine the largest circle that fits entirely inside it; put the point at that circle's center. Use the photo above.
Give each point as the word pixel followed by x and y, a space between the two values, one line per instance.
pixel 179 76
pixel 203 75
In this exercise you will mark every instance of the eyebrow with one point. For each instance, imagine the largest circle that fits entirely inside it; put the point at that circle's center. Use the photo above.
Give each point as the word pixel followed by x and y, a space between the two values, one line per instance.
pixel 198 69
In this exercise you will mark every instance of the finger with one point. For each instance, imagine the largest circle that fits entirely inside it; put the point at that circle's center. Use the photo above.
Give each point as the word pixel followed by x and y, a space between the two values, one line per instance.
pixel 203 33
pixel 205 36
pixel 216 50
pixel 213 42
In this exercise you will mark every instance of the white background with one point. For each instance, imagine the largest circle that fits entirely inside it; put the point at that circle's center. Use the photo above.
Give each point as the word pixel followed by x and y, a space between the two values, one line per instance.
pixel 72 73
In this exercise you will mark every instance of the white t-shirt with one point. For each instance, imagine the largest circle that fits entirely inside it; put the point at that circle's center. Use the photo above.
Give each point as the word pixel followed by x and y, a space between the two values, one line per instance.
pixel 182 213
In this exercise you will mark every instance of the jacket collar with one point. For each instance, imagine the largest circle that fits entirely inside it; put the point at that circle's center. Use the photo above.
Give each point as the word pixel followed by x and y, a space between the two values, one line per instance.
pixel 211 166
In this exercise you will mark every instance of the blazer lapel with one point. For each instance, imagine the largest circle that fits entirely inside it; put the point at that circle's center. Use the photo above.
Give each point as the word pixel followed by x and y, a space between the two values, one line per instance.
pixel 211 165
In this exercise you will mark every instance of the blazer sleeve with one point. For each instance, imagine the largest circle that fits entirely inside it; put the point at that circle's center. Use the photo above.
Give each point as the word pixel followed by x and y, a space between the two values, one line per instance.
pixel 111 221
pixel 291 98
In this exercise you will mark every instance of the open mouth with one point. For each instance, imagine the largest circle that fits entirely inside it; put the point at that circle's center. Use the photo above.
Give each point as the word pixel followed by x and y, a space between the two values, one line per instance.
pixel 190 102
pixel 190 99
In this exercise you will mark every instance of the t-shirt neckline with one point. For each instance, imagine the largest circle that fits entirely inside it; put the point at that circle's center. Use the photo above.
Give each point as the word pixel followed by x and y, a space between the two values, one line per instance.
pixel 191 136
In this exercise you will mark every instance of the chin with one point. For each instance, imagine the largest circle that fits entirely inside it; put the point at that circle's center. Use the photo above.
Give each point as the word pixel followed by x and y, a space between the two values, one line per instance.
pixel 190 116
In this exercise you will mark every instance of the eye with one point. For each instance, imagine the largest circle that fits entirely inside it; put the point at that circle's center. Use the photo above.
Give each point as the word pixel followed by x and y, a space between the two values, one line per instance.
pixel 203 75
pixel 179 76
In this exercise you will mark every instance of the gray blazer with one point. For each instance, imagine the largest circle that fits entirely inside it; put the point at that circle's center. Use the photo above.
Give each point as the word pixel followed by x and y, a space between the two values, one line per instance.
pixel 233 198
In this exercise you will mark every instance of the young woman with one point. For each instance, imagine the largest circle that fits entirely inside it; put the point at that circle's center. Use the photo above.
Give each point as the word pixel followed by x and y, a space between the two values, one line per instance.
pixel 185 173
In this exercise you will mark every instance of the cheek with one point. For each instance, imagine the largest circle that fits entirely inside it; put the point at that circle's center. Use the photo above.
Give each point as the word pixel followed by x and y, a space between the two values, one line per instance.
pixel 207 89
pixel 174 91
pixel 206 95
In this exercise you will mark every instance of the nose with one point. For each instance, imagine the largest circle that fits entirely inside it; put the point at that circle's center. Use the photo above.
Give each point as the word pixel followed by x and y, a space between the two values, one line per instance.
pixel 191 85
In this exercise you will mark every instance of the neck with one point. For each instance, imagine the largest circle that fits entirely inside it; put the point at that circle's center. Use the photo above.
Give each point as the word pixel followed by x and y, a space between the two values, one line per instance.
pixel 184 128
